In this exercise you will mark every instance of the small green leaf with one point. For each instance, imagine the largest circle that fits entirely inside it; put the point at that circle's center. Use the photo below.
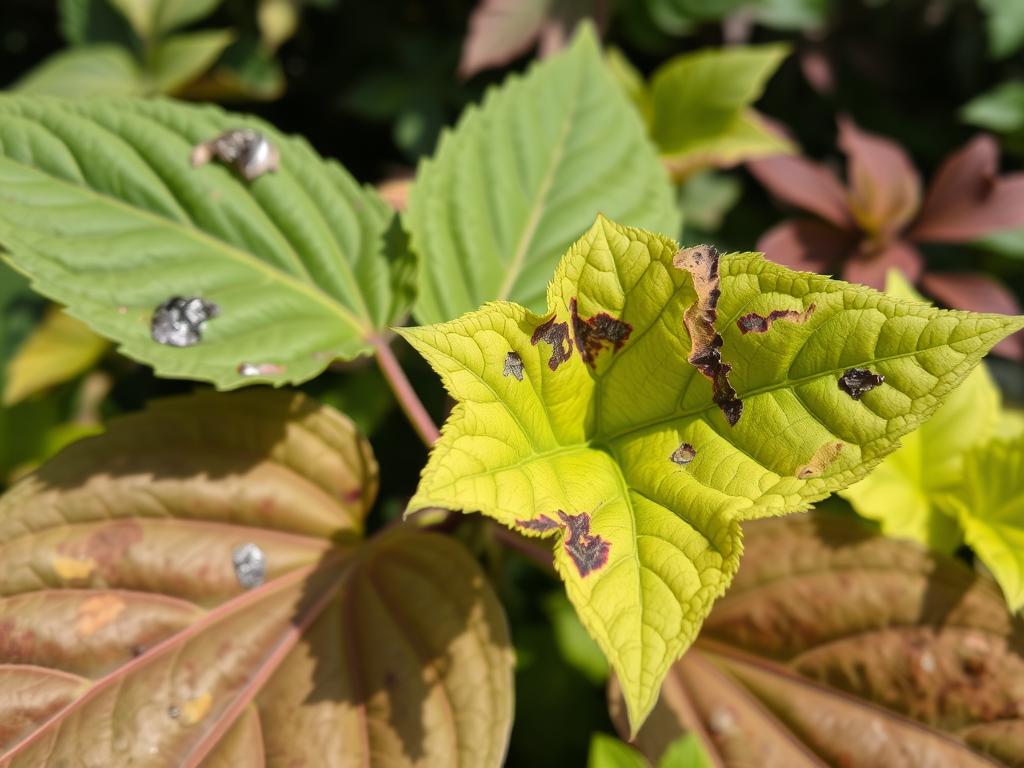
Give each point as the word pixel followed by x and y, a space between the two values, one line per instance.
pixel 685 752
pixel 990 506
pixel 59 349
pixel 576 647
pixel 702 114
pixel 1000 109
pixel 101 207
pixel 591 424
pixel 522 175
pixel 905 492
pixel 89 71
pixel 1005 22
pixel 180 59
pixel 608 752
pixel 83 22
pixel 153 19
pixel 245 72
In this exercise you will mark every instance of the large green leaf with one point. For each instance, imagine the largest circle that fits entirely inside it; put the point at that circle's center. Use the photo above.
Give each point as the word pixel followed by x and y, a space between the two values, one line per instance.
pixel 839 647
pixel 100 205
pixel 524 174
pixel 192 585
pixel 629 453
pixel 989 504
pixel 94 71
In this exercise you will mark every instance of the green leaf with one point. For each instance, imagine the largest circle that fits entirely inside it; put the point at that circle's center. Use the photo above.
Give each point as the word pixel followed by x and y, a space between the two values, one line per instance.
pixel 94 21
pixel 640 465
pixel 905 492
pixel 685 752
pixel 246 72
pixel 195 581
pixel 89 71
pixel 182 58
pixel 152 19
pixel 1000 109
pixel 1005 22
pixel 101 207
pixel 989 503
pixel 839 647
pixel 576 647
pixel 701 104
pixel 706 197
pixel 60 349
pixel 632 83
pixel 520 177
pixel 608 752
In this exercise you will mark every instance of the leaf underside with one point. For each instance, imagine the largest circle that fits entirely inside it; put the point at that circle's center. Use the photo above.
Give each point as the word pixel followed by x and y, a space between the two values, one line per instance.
pixel 615 442
pixel 101 207
pixel 836 646
pixel 131 634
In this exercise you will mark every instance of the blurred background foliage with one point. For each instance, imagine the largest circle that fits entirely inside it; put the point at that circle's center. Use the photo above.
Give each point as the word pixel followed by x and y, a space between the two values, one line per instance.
pixel 374 84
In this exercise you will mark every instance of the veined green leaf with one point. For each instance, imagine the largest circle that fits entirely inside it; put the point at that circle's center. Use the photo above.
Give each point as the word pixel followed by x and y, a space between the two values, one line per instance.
pixel 93 71
pixel 182 58
pixel 100 206
pixel 590 422
pixel 905 492
pixel 522 175
pixel 990 506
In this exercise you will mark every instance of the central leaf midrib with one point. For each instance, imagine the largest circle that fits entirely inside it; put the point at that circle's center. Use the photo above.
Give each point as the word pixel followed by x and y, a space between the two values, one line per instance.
pixel 202 236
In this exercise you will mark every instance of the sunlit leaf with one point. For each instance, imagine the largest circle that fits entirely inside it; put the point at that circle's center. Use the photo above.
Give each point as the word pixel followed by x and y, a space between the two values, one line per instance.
pixel 60 349
pixel 1005 22
pixel 245 72
pixel 182 58
pixel 92 71
pixel 835 646
pixel 152 19
pixel 590 423
pixel 608 752
pixel 101 207
pixel 522 175
pixel 194 586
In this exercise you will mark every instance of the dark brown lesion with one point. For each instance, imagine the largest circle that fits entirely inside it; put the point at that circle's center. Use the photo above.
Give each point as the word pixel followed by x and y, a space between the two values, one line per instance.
pixel 538 523
pixel 596 333
pixel 588 552
pixel 557 336
pixel 702 261
pixel 513 366
pixel 857 381
pixel 755 323
pixel 684 454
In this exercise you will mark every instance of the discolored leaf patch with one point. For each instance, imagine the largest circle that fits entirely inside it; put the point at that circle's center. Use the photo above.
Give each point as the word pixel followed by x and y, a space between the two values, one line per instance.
pixel 555 335
pixel 755 323
pixel 596 333
pixel 856 382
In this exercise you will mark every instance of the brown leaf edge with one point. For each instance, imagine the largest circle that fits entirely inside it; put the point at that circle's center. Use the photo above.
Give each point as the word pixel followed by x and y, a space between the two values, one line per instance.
pixel 835 646
pixel 127 636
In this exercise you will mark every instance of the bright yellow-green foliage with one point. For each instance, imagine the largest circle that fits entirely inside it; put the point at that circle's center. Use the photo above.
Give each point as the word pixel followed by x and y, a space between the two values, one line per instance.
pixel 906 492
pixel 989 504
pixel 632 464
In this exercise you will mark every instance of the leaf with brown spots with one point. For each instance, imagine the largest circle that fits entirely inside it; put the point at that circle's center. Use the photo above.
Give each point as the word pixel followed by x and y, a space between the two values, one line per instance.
pixel 131 634
pixel 836 646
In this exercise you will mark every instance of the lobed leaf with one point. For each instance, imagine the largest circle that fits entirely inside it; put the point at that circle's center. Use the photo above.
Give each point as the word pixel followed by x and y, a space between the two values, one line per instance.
pixel 836 646
pixel 522 175
pixel 190 588
pixel 100 206
pixel 591 423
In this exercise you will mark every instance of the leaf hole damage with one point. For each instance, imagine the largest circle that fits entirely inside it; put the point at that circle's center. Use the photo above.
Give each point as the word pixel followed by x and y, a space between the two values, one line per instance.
pixel 588 552
pixel 513 366
pixel 701 261
pixel 755 323
pixel 557 336
pixel 181 322
pixel 684 454
pixel 597 333
pixel 857 381
pixel 249 152
pixel 821 460
pixel 250 565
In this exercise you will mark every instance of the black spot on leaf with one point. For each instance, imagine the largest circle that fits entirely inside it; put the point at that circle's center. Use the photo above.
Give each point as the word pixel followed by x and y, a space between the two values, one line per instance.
pixel 684 454
pixel 513 366
pixel 249 152
pixel 856 381
pixel 597 333
pixel 180 322
pixel 557 336
pixel 755 323
pixel 589 552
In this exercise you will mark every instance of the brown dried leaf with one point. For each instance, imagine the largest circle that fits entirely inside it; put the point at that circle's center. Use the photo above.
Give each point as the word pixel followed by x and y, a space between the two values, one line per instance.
pixel 838 647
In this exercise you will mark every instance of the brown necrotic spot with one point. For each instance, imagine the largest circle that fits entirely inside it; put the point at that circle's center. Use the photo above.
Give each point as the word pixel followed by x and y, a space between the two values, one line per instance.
pixel 856 381
pixel 539 523
pixel 557 336
pixel 589 552
pixel 513 366
pixel 701 261
pixel 596 333
pixel 820 461
pixel 684 454
pixel 755 323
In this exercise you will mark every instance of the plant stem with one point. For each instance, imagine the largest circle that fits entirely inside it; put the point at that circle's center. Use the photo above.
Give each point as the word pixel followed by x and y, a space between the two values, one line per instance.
pixel 406 395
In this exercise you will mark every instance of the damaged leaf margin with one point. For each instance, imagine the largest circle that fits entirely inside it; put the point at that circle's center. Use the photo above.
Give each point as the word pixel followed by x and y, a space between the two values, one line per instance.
pixel 594 437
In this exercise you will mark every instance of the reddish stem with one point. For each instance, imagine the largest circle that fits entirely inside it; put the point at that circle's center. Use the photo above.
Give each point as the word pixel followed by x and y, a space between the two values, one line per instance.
pixel 406 395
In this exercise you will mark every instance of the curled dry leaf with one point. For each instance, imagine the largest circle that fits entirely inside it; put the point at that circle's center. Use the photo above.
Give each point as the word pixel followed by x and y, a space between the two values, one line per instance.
pixel 192 588
pixel 836 646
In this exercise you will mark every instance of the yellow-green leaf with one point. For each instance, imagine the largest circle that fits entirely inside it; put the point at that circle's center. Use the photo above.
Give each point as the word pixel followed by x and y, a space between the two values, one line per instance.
pixel 179 60
pixel 58 350
pixel 990 506
pixel 153 18
pixel 591 424
pixel 905 492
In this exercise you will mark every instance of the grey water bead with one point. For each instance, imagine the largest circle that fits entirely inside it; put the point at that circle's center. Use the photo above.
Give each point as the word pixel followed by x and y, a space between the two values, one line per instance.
pixel 250 565
pixel 180 321
pixel 246 150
